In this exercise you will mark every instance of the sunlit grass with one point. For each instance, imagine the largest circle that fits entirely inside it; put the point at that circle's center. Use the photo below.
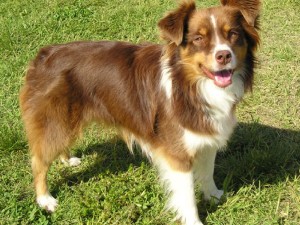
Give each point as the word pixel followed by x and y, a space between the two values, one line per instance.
pixel 259 171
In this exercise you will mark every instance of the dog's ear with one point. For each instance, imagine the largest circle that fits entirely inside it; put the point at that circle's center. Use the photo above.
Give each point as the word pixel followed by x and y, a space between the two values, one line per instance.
pixel 174 24
pixel 249 9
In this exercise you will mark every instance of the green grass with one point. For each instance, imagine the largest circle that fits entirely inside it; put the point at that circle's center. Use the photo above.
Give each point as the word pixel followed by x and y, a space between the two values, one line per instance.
pixel 259 170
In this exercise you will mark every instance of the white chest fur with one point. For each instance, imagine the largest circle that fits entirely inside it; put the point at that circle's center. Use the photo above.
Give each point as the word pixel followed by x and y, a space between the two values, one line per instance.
pixel 220 101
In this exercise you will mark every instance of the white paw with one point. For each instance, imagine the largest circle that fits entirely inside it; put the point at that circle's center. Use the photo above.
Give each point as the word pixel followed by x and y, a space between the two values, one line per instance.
pixel 73 161
pixel 214 195
pixel 47 202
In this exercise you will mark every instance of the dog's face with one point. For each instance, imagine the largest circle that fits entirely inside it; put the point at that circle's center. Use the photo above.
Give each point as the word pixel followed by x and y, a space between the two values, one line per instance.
pixel 214 42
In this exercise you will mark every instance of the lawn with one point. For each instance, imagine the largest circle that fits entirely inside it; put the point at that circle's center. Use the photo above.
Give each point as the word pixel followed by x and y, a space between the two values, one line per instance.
pixel 259 170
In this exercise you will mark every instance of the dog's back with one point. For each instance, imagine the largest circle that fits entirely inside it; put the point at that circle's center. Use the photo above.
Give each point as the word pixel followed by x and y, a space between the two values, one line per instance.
pixel 82 81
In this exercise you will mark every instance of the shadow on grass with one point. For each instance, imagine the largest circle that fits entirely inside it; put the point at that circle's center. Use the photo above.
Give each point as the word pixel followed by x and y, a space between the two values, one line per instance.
pixel 256 154
pixel 259 153
pixel 110 157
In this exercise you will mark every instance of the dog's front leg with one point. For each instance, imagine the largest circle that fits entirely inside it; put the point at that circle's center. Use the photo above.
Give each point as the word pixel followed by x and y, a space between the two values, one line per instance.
pixel 204 171
pixel 180 187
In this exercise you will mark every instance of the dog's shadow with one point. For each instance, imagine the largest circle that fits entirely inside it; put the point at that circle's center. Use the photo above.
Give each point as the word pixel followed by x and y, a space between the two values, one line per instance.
pixel 111 157
pixel 256 154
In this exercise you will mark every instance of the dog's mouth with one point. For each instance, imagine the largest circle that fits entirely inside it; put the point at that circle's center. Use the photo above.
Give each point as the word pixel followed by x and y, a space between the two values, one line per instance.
pixel 221 78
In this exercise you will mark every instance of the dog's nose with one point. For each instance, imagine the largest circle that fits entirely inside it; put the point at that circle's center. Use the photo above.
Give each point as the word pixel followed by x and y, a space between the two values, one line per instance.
pixel 223 57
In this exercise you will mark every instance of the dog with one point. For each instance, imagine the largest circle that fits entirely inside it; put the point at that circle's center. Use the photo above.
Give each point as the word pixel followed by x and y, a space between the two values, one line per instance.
pixel 175 100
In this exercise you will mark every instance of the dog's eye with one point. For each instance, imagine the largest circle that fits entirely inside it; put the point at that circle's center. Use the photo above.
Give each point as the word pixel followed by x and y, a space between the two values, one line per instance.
pixel 233 34
pixel 197 39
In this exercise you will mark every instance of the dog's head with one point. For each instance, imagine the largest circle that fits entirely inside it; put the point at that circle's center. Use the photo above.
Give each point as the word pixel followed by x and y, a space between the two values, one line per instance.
pixel 216 42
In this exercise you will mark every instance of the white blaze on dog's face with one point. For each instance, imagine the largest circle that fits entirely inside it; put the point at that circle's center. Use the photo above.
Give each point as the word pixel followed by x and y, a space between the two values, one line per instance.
pixel 215 44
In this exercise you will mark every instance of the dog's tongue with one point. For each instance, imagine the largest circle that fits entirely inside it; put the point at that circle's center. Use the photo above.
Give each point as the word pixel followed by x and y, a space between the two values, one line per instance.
pixel 223 78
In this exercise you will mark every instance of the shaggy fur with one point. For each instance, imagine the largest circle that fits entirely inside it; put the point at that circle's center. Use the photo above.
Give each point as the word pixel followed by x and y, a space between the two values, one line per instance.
pixel 176 100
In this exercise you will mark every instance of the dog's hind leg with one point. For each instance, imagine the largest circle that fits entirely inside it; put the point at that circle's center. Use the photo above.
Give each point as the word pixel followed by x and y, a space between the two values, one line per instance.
pixel 48 138
pixel 45 149
pixel 52 113
pixel 39 169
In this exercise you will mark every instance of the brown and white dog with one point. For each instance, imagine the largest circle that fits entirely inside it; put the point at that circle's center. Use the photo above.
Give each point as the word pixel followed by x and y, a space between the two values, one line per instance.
pixel 176 101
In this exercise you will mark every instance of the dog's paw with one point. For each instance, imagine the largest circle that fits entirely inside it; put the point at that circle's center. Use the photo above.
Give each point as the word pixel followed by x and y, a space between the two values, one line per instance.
pixel 73 161
pixel 47 202
pixel 214 196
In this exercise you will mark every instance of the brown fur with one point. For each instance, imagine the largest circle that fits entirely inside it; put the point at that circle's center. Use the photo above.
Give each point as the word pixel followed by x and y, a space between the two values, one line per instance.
pixel 116 83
